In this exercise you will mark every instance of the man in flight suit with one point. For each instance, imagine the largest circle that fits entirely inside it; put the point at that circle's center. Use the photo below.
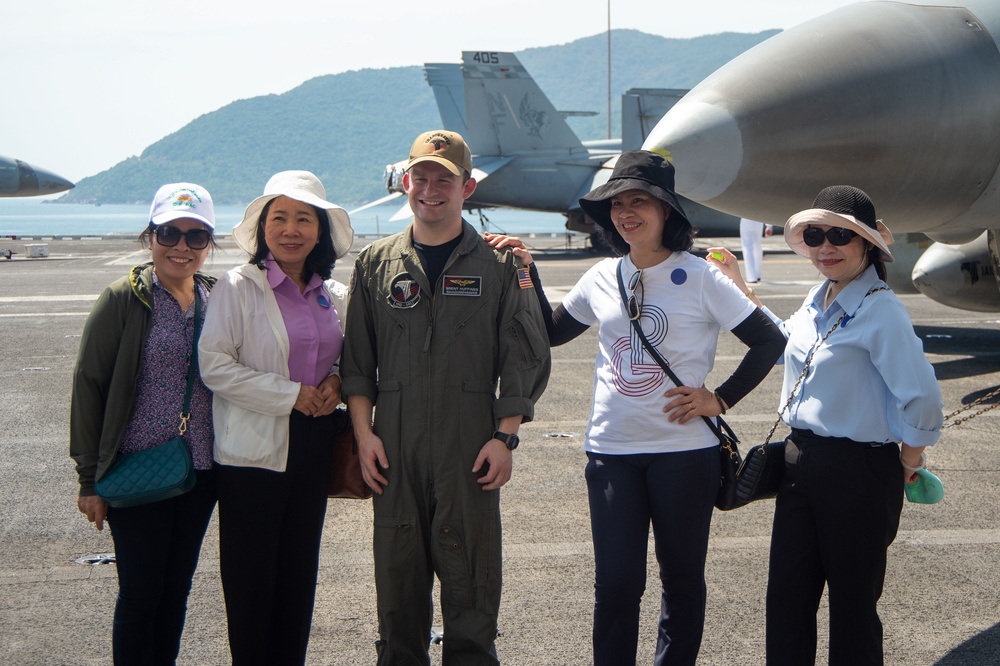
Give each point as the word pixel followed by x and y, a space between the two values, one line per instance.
pixel 444 335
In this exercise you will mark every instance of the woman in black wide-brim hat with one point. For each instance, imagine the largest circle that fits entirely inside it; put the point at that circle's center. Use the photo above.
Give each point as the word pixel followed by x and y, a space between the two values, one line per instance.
pixel 860 419
pixel 651 457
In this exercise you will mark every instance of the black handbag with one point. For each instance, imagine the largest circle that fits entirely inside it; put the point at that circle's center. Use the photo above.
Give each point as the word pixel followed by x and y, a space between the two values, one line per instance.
pixel 759 477
pixel 729 453
pixel 163 471
pixel 729 467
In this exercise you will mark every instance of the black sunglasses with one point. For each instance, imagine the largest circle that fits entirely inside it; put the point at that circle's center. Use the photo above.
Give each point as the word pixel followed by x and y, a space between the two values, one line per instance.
pixel 196 239
pixel 813 236
pixel 633 306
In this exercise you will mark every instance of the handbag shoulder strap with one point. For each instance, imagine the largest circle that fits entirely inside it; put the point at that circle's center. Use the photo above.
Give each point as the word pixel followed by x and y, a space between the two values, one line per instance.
pixel 662 362
pixel 192 362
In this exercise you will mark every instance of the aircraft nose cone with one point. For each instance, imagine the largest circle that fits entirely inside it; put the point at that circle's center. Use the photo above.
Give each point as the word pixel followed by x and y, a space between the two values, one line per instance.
pixel 899 100
pixel 704 141
pixel 43 180
pixel 20 179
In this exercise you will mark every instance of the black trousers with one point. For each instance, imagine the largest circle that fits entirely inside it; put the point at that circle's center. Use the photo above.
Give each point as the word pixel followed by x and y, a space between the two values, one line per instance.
pixel 836 513
pixel 156 553
pixel 270 525
pixel 675 492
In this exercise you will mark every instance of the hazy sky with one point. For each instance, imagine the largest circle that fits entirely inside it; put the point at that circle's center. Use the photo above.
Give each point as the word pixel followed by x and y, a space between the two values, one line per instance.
pixel 88 83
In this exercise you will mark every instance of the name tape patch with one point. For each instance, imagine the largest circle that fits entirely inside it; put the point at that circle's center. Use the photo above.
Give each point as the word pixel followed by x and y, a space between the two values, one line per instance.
pixel 462 285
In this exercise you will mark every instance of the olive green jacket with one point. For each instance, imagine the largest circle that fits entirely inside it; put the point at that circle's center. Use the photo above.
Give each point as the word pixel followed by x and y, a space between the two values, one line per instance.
pixel 107 369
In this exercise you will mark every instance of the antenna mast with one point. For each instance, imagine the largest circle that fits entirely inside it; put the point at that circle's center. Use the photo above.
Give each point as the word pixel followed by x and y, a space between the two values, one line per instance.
pixel 609 69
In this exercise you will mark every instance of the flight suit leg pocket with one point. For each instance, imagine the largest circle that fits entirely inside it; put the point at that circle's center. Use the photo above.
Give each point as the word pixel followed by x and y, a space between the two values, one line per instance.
pixel 456 578
pixel 398 560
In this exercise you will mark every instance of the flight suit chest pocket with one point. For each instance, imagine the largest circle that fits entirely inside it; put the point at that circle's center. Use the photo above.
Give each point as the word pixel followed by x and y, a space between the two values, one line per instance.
pixel 396 339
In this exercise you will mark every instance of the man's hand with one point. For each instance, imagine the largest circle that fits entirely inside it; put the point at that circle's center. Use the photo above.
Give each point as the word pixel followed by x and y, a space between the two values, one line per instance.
pixel 371 450
pixel 499 461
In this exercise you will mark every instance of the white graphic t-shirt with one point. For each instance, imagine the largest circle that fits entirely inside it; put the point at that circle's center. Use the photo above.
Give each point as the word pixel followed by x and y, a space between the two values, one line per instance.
pixel 685 302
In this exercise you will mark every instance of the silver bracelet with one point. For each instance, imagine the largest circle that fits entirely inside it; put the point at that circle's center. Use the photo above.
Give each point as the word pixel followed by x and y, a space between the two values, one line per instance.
pixel 923 462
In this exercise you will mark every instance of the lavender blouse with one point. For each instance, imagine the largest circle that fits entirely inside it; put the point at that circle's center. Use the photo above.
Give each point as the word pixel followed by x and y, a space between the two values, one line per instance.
pixel 315 337
pixel 162 382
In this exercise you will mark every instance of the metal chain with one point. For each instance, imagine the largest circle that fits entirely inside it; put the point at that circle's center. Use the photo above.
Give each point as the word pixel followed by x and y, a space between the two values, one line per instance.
pixel 802 375
pixel 972 404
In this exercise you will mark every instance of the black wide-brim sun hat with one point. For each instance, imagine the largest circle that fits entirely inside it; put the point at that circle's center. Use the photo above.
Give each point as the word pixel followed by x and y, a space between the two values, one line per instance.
pixel 842 206
pixel 634 170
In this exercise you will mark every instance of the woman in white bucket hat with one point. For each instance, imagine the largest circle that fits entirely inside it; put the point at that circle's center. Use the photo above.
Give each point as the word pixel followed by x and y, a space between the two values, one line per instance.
pixel 270 352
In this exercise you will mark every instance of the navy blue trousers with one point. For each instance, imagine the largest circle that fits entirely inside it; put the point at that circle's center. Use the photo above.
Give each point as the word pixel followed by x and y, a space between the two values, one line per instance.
pixel 270 526
pixel 676 493
pixel 836 513
pixel 156 552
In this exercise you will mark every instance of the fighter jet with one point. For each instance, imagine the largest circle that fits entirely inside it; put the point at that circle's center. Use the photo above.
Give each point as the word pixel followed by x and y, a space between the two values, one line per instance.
pixel 899 99
pixel 20 179
pixel 525 155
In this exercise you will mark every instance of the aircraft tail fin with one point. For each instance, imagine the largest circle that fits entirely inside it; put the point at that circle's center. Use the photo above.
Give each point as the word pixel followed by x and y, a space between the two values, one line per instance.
pixel 446 81
pixel 506 111
pixel 642 108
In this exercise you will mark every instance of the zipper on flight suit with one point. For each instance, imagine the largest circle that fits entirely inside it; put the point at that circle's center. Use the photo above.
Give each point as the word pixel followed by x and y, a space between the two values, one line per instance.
pixel 430 330
pixel 434 297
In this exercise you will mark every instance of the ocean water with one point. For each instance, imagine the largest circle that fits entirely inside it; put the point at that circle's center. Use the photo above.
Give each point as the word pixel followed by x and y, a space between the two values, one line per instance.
pixel 32 217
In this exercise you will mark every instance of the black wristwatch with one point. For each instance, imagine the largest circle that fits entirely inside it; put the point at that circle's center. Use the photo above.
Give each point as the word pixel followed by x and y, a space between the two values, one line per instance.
pixel 510 440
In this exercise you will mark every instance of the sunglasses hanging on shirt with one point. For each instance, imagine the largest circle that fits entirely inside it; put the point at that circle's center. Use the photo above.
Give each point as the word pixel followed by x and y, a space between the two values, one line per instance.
pixel 633 305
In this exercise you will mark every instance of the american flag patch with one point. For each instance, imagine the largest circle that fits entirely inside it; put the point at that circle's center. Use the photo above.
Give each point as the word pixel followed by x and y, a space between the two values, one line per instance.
pixel 524 278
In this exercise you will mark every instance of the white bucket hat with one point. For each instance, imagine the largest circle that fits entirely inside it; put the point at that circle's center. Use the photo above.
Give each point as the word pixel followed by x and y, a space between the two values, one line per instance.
pixel 302 186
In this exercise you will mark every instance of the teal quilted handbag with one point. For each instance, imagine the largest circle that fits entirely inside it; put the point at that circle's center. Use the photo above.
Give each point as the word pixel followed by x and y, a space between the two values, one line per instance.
pixel 152 475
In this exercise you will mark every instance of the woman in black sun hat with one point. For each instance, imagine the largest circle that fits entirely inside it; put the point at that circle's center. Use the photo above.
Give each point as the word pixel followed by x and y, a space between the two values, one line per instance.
pixel 865 409
pixel 651 458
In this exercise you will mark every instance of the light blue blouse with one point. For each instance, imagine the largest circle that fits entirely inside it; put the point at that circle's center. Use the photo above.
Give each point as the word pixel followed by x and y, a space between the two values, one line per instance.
pixel 870 380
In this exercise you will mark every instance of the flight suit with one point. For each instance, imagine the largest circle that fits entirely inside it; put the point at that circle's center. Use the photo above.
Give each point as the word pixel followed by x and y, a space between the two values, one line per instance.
pixel 430 362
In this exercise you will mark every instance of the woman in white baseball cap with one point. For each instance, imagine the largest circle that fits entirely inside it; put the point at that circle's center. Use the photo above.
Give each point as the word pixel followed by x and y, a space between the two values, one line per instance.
pixel 271 352
pixel 132 379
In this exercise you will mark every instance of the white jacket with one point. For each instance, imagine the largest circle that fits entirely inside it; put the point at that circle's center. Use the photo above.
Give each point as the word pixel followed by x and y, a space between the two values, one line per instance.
pixel 243 357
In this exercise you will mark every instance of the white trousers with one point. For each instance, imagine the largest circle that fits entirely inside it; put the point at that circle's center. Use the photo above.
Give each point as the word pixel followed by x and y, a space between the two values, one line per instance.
pixel 751 238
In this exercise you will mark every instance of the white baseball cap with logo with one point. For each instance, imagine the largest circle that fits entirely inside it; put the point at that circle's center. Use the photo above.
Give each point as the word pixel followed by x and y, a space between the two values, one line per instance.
pixel 176 201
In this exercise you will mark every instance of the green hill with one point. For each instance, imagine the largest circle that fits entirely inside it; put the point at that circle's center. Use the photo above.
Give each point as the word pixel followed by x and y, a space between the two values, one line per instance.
pixel 346 127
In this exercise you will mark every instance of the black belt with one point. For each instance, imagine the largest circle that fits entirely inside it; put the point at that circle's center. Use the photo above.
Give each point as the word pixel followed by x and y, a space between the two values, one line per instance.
pixel 804 437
